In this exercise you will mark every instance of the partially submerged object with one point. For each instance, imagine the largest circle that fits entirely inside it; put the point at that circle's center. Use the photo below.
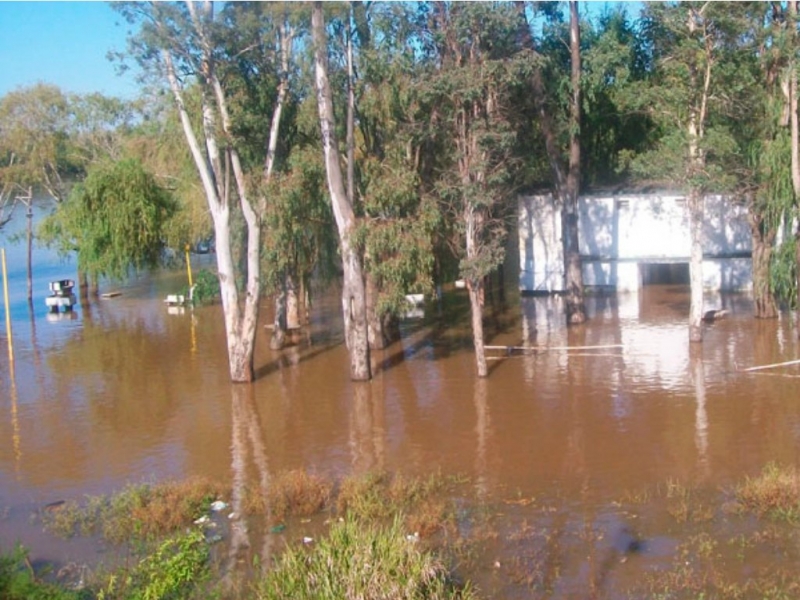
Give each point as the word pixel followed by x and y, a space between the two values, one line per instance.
pixel 176 302
pixel 714 315
pixel 61 295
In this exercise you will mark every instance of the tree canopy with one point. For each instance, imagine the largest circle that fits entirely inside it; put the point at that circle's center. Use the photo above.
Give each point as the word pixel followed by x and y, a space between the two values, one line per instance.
pixel 114 220
pixel 439 115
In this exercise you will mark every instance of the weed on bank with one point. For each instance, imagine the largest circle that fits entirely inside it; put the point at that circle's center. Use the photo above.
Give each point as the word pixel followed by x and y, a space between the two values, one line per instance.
pixel 391 536
pixel 372 544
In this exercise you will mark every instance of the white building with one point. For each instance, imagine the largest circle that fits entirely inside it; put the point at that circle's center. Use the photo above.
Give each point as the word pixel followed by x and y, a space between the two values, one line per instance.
pixel 627 241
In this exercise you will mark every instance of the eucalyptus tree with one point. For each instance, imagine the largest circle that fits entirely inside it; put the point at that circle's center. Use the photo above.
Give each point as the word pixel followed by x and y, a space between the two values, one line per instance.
pixel 262 76
pixel 475 68
pixel 692 88
pixel 183 46
pixel 795 136
pixel 560 133
pixel 397 219
pixel 353 289
pixel 769 147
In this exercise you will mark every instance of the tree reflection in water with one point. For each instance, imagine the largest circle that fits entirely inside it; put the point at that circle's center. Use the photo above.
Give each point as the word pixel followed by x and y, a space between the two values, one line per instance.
pixel 701 416
pixel 366 440
pixel 246 439
pixel 483 424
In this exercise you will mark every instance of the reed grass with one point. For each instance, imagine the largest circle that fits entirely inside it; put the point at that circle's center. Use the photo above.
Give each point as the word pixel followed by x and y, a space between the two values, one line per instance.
pixel 359 561
pixel 139 511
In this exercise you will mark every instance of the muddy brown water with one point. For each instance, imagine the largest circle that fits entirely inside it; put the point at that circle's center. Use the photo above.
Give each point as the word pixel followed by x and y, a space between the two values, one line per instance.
pixel 555 441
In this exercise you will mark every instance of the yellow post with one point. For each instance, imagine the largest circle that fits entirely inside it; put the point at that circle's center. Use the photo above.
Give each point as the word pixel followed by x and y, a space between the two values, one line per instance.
pixel 189 266
pixel 8 308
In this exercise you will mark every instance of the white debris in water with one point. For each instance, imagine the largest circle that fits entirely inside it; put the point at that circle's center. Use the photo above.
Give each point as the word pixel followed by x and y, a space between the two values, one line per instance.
pixel 202 520
pixel 218 505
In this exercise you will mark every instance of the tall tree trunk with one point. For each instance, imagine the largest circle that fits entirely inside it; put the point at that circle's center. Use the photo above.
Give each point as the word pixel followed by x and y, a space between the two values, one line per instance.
pixel 285 36
pixel 353 289
pixel 696 201
pixel 763 238
pixel 29 215
pixel 795 141
pixel 278 337
pixel 566 187
pixel 214 167
pixel 695 207
pixel 576 309
pixel 475 287
pixel 351 113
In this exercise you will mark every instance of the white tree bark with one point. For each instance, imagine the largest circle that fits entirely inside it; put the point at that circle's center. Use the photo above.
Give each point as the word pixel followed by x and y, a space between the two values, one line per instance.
pixel 353 291
pixel 240 326
pixel 697 162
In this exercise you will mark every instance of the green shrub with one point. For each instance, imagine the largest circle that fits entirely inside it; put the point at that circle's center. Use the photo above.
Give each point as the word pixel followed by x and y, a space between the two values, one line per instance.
pixel 206 288
pixel 177 568
pixel 17 581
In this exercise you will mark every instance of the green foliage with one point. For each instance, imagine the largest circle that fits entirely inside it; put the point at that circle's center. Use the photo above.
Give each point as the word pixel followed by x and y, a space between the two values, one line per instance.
pixel 396 232
pixel 17 581
pixel 475 131
pixel 158 143
pixel 206 288
pixel 299 233
pixel 612 59
pixel 359 560
pixel 173 571
pixel 114 220
pixel 35 128
pixel 702 77
pixel 783 273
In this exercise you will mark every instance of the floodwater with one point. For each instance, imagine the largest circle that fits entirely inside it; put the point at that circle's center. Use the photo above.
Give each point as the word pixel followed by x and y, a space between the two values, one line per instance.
pixel 125 391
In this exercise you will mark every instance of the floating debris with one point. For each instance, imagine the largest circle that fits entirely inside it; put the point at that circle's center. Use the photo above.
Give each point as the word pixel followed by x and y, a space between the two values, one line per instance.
pixel 218 505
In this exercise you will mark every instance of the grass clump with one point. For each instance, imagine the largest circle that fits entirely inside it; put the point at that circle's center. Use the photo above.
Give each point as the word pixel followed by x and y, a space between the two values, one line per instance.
pixel 141 511
pixel 293 493
pixel 365 496
pixel 378 497
pixel 360 561
pixel 775 492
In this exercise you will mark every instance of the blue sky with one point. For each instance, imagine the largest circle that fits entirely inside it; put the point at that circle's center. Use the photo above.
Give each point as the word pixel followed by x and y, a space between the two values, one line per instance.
pixel 64 43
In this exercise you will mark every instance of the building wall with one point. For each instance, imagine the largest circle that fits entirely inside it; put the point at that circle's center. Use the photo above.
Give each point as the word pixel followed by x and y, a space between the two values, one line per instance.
pixel 619 234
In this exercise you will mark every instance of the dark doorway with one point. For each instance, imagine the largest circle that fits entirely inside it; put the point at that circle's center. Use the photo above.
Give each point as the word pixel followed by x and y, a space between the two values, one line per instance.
pixel 664 273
